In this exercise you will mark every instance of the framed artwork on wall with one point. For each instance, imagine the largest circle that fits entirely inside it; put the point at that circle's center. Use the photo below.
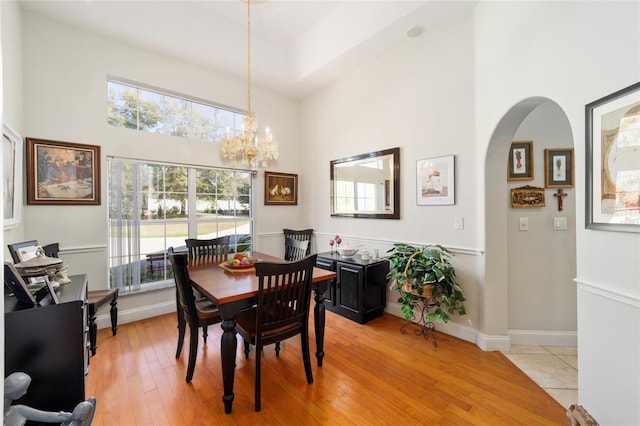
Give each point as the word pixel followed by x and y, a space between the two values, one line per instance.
pixel 62 172
pixel 11 177
pixel 435 181
pixel 558 168
pixel 527 196
pixel 280 189
pixel 520 161
pixel 613 161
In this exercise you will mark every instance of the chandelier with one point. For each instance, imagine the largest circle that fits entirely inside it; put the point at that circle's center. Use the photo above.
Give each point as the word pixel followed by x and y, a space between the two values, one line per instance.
pixel 247 146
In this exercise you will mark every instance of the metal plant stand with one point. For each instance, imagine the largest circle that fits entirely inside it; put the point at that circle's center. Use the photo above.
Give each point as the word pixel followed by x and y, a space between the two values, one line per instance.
pixel 423 326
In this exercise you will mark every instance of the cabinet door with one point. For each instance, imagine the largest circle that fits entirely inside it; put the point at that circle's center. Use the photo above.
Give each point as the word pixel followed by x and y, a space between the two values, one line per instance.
pixel 349 286
pixel 329 295
pixel 47 343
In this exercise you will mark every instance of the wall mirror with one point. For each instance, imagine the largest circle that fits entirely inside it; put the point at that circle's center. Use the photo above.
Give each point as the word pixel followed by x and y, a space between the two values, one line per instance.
pixel 366 185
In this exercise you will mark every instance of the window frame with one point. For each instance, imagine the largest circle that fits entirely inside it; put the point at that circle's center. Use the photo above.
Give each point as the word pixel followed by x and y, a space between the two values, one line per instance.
pixel 133 282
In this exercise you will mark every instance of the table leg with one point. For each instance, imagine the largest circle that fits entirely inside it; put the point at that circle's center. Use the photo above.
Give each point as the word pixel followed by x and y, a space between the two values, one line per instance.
pixel 318 321
pixel 228 346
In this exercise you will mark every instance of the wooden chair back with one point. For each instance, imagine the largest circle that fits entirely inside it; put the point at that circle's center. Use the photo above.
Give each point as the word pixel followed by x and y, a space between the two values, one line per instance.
pixel 300 235
pixel 51 250
pixel 184 289
pixel 207 248
pixel 284 293
pixel 295 249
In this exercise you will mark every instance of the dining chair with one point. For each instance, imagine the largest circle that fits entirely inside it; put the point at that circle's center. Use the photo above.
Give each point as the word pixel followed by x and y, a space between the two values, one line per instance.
pixel 281 312
pixel 300 235
pixel 196 312
pixel 211 247
pixel 295 249
pixel 201 248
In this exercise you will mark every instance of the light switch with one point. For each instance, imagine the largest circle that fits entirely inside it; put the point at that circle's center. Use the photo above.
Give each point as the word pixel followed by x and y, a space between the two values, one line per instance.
pixel 524 223
pixel 459 223
pixel 560 223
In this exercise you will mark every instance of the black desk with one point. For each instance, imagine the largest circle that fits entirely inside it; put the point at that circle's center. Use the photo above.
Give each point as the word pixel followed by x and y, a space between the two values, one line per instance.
pixel 49 343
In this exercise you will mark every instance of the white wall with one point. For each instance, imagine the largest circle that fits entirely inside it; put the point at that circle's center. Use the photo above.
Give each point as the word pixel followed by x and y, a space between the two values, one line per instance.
pixel 419 97
pixel 65 71
pixel 12 86
pixel 566 51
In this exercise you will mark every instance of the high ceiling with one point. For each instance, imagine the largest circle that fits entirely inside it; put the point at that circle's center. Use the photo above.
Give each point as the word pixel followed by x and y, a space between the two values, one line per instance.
pixel 295 45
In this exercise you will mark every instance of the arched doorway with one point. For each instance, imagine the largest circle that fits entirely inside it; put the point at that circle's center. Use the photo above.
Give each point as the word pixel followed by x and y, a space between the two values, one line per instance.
pixel 529 295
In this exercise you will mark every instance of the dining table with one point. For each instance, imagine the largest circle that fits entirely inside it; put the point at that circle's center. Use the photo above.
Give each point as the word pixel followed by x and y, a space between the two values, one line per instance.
pixel 235 291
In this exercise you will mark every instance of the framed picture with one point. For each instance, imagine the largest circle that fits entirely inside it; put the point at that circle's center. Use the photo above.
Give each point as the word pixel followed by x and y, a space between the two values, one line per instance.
pixel 520 162
pixel 613 161
pixel 435 181
pixel 62 172
pixel 280 189
pixel 11 177
pixel 26 251
pixel 558 168
pixel 527 196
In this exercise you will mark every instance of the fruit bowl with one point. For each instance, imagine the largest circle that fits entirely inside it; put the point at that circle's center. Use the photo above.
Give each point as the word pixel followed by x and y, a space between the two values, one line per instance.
pixel 240 261
pixel 347 251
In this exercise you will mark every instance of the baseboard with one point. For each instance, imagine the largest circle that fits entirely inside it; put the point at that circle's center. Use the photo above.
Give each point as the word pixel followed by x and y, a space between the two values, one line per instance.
pixel 547 338
pixel 136 314
pixel 488 342
pixel 461 331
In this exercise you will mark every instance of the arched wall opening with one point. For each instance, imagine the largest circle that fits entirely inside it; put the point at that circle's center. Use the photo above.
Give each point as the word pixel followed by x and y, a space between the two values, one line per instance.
pixel 530 294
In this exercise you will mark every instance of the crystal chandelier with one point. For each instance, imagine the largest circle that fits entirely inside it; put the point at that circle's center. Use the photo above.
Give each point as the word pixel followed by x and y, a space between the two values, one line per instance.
pixel 249 147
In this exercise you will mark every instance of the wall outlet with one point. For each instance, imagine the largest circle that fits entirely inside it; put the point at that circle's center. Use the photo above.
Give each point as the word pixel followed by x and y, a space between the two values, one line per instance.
pixel 524 223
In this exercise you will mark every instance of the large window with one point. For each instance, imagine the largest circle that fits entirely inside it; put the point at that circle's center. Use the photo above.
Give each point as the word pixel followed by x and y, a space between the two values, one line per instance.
pixel 154 206
pixel 155 111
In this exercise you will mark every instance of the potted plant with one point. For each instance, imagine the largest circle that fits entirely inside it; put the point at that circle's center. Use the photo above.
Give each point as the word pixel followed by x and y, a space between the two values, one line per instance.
pixel 425 273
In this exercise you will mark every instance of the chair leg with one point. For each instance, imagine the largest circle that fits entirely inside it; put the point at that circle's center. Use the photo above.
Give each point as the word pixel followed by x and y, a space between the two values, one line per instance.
pixel 277 348
pixel 193 351
pixel 246 349
pixel 181 332
pixel 258 377
pixel 305 355
pixel 205 333
pixel 114 315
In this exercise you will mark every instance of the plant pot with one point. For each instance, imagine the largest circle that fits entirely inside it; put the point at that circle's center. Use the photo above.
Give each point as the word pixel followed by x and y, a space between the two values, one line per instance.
pixel 427 290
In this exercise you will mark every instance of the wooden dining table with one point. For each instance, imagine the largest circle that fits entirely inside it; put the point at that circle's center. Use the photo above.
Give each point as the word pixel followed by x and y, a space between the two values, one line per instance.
pixel 236 291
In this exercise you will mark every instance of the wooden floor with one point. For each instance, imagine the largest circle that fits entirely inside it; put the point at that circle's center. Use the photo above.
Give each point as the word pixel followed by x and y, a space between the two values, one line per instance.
pixel 372 375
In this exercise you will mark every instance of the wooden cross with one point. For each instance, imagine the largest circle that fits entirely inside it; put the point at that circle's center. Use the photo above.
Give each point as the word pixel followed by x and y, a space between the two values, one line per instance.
pixel 560 194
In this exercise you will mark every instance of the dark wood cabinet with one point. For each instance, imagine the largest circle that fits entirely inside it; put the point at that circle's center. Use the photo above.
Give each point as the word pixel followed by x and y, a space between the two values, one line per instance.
pixel 49 343
pixel 359 290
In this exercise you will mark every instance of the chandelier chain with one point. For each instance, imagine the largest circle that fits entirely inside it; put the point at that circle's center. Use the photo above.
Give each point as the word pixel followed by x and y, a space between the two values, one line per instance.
pixel 249 56
pixel 247 145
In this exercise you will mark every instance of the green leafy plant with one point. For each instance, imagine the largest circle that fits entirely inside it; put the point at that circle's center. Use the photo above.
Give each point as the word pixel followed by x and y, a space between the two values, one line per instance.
pixel 412 269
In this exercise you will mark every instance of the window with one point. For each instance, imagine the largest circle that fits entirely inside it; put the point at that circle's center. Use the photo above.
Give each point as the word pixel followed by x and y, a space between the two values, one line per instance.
pixel 357 196
pixel 154 206
pixel 153 111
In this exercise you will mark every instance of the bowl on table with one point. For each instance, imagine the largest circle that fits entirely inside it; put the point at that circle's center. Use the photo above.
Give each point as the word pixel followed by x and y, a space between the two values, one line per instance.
pixel 347 251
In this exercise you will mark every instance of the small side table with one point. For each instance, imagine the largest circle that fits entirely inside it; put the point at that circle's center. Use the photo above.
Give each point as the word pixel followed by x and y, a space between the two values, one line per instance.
pixel 96 299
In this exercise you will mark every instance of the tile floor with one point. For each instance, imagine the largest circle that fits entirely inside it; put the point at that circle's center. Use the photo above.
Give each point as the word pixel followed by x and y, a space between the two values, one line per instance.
pixel 553 368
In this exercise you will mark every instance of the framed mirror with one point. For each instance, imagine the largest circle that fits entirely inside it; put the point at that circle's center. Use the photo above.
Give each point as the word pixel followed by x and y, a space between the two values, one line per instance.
pixel 366 185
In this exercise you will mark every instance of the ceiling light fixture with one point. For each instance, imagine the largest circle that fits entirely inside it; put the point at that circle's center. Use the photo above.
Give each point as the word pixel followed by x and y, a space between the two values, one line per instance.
pixel 415 32
pixel 247 146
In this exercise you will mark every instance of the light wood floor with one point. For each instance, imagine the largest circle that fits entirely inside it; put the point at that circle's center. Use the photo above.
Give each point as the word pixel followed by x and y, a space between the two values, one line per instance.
pixel 372 375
